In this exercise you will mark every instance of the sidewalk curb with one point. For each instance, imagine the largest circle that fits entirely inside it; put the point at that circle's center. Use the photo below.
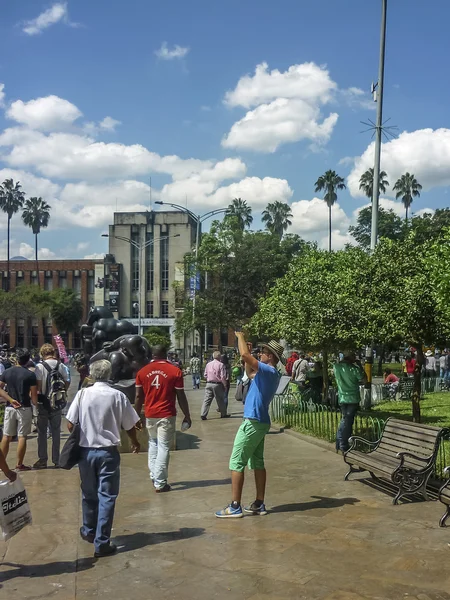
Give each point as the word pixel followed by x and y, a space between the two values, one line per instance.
pixel 306 438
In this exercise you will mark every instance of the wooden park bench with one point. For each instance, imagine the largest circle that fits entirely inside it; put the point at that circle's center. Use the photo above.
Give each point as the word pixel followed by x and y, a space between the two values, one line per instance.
pixel 444 497
pixel 406 454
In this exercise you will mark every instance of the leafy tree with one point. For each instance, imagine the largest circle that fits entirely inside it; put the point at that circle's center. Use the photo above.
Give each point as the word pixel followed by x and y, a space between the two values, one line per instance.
pixel 241 212
pixel 277 217
pixel 429 226
pixel 25 302
pixel 157 336
pixel 407 188
pixel 366 183
pixel 11 200
pixel 329 183
pixel 390 226
pixel 36 214
pixel 66 309
pixel 320 304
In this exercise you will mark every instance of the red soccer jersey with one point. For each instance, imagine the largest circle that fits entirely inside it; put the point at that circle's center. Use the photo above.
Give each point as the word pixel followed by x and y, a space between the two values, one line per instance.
pixel 159 380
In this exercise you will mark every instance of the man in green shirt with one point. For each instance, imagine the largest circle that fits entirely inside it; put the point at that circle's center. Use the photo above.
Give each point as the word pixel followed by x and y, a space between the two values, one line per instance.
pixel 349 376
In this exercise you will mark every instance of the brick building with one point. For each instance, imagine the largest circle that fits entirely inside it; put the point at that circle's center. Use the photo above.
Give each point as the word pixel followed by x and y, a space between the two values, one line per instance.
pixel 77 274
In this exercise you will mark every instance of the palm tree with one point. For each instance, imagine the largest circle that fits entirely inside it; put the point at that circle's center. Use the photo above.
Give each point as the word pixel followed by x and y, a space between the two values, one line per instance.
pixel 36 214
pixel 407 188
pixel 277 217
pixel 366 183
pixel 329 182
pixel 11 200
pixel 241 211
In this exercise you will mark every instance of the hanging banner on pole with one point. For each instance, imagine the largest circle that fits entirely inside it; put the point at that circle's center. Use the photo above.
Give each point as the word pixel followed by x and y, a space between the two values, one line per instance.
pixel 61 347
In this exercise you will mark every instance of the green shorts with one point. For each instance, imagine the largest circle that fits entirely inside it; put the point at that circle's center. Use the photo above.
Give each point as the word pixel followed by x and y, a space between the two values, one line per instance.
pixel 248 446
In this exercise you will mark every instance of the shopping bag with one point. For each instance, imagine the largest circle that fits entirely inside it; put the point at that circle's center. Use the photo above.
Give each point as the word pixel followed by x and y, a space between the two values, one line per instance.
pixel 15 511
pixel 71 452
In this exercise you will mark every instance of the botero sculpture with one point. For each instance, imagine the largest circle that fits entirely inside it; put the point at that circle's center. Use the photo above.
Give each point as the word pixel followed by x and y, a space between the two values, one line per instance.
pixel 116 340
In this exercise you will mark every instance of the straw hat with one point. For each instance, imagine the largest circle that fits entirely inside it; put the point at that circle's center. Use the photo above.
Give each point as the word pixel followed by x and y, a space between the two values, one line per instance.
pixel 276 349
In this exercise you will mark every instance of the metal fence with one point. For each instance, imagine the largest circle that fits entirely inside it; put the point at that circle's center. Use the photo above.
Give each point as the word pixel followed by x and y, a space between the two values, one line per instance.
pixel 293 411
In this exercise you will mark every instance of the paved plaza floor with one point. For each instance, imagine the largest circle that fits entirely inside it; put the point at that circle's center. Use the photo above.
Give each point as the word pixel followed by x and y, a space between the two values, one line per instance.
pixel 323 538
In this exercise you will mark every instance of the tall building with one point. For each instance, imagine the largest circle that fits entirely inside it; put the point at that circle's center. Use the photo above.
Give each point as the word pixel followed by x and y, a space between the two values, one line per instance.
pixel 76 274
pixel 145 267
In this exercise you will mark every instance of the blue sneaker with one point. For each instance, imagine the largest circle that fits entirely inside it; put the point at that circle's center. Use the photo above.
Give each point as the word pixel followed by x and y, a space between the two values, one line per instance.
pixel 230 513
pixel 256 510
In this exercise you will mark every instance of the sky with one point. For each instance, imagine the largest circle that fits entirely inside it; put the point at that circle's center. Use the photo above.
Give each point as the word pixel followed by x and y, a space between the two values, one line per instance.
pixel 209 101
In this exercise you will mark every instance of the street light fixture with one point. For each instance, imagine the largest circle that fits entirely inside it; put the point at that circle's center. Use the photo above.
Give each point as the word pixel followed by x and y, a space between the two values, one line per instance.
pixel 198 219
pixel 140 248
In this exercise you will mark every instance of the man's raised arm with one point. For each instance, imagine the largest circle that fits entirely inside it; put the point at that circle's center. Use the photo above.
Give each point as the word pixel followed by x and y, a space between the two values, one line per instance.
pixel 245 353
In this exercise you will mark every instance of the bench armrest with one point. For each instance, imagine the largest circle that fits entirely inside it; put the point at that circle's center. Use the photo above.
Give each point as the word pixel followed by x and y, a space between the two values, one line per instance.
pixel 403 455
pixel 356 439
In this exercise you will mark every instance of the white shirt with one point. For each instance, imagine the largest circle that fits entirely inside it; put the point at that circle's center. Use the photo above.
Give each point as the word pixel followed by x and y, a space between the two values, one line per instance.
pixel 2 368
pixel 101 411
pixel 41 373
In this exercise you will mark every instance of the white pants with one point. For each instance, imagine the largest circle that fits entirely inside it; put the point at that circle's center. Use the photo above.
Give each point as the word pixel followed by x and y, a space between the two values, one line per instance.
pixel 160 437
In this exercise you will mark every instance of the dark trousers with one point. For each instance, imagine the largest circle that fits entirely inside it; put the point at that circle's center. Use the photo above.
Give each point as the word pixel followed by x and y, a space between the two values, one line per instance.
pixel 345 430
pixel 100 480
pixel 48 418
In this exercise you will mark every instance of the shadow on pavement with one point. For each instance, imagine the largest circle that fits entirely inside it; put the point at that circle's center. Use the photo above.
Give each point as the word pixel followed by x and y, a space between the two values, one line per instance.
pixel 141 539
pixel 320 502
pixel 46 569
pixel 187 441
pixel 386 487
pixel 184 485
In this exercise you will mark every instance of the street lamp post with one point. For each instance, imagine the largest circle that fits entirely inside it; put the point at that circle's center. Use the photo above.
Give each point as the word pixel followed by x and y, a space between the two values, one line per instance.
pixel 140 248
pixel 199 220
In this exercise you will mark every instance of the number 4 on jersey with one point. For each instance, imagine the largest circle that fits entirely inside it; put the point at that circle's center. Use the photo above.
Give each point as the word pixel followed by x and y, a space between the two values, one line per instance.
pixel 155 383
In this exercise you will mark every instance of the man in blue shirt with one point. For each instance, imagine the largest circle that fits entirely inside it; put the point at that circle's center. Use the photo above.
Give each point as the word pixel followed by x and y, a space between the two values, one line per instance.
pixel 248 446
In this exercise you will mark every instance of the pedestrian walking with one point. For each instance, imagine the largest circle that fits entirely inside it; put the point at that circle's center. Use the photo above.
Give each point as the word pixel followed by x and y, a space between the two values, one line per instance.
pixel 248 449
pixel 158 385
pixel 216 383
pixel 300 371
pixel 226 363
pixel 443 360
pixel 194 366
pixel 21 384
pixel 101 412
pixel 349 376
pixel 53 380
pixel 430 364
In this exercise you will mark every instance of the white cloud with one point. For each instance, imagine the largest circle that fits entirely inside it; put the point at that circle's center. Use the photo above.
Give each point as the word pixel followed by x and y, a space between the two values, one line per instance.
pixel 2 95
pixel 424 152
pixel 95 256
pixel 357 98
pixel 166 53
pixel 205 108
pixel 25 250
pixel 288 107
pixel 45 114
pixel 82 246
pixel 270 125
pixel 109 124
pixel 56 13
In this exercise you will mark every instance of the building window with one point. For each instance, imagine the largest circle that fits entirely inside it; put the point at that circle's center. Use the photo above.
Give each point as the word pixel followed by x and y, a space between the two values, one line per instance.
pixel 34 278
pixel 150 309
pixel 76 340
pixel 48 338
pixel 62 280
pixel 5 282
pixel 21 333
pixel 34 336
pixel 76 285
pixel 91 284
pixel 19 278
pixel 134 259
pixel 164 250
pixel 164 309
pixel 48 283
pixel 149 260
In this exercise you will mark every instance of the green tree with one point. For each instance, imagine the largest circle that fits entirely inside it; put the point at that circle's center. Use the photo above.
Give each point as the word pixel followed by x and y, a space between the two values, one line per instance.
pixel 66 309
pixel 11 200
pixel 320 304
pixel 366 183
pixel 390 226
pixel 430 226
pixel 407 188
pixel 277 217
pixel 157 336
pixel 241 212
pixel 36 214
pixel 329 183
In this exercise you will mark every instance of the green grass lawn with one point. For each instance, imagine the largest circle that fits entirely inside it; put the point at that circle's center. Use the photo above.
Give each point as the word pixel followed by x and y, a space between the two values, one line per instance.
pixel 434 408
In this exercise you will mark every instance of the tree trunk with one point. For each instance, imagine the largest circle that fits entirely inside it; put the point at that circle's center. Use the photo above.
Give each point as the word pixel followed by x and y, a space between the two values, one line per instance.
pixel 36 255
pixel 417 390
pixel 380 362
pixel 325 376
pixel 406 207
pixel 7 259
pixel 329 229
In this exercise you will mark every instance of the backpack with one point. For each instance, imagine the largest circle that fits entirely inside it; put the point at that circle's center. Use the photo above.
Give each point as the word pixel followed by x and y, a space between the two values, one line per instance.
pixel 56 392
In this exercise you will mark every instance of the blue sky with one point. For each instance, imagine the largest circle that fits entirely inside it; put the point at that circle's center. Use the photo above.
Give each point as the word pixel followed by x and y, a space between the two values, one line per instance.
pixel 100 96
